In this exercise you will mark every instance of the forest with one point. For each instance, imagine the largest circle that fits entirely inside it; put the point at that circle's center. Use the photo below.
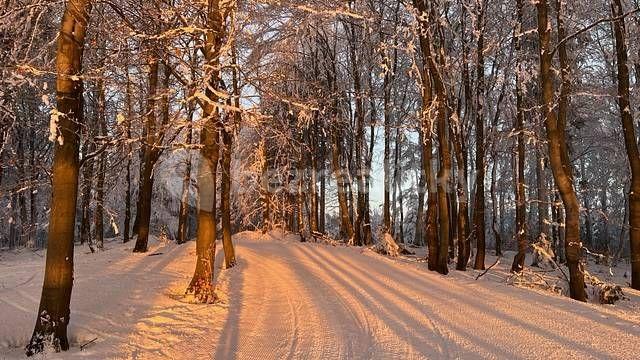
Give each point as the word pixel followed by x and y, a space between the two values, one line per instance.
pixel 475 136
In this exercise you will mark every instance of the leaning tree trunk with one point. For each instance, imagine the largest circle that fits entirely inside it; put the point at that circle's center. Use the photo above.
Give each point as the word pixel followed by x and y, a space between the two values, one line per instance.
pixel 557 152
pixel 53 312
pixel 629 142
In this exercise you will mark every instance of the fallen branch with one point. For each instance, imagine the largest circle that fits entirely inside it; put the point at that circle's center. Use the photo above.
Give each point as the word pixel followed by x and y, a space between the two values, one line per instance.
pixel 489 268
pixel 87 343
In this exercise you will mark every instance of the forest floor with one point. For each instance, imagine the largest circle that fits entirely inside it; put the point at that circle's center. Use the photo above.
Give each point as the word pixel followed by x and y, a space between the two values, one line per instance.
pixel 292 300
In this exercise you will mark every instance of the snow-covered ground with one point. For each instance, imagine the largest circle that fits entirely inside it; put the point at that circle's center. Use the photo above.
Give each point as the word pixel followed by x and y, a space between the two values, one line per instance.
pixel 287 299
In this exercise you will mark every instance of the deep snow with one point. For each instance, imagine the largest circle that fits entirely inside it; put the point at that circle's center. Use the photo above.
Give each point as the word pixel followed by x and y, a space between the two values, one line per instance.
pixel 287 299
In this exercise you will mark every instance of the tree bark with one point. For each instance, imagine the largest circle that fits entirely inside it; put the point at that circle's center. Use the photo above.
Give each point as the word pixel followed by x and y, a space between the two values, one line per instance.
pixel 479 202
pixel 521 224
pixel 202 285
pixel 53 312
pixel 557 156
pixel 629 141
pixel 99 211
pixel 225 200
pixel 143 215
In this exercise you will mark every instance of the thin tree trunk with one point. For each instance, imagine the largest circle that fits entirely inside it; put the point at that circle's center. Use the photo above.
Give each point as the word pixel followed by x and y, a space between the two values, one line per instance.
pixel 225 200
pixel 99 211
pixel 479 220
pixel 183 214
pixel 127 199
pixel 521 224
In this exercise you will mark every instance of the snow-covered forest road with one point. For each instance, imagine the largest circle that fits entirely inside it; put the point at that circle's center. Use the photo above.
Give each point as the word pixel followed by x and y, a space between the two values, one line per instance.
pixel 291 300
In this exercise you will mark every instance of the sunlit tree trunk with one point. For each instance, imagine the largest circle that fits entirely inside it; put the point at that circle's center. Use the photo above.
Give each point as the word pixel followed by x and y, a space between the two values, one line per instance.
pixel 53 313
pixel 557 155
pixel 202 285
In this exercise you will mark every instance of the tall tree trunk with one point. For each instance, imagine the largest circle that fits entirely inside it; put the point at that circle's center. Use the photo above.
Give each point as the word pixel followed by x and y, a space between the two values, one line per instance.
pixel 183 214
pixel 323 179
pixel 479 221
pixel 146 174
pixel 629 142
pixel 386 206
pixel 99 211
pixel 362 228
pixel 464 245
pixel 557 152
pixel 202 285
pixel 431 217
pixel 127 199
pixel 397 175
pixel 346 227
pixel 494 205
pixel 53 313
pixel 225 200
pixel 313 168
pixel 87 182
pixel 422 181
pixel 521 224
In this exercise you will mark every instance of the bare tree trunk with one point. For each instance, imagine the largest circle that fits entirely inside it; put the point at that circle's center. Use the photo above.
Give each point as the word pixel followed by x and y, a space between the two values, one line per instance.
pixel 479 221
pixel 431 217
pixel 127 198
pixel 346 228
pixel 464 245
pixel 183 214
pixel 202 285
pixel 225 200
pixel 53 313
pixel 557 155
pixel 313 168
pixel 494 206
pixel 146 169
pixel 99 211
pixel 323 179
pixel 629 142
pixel 87 182
pixel 419 235
pixel 521 224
